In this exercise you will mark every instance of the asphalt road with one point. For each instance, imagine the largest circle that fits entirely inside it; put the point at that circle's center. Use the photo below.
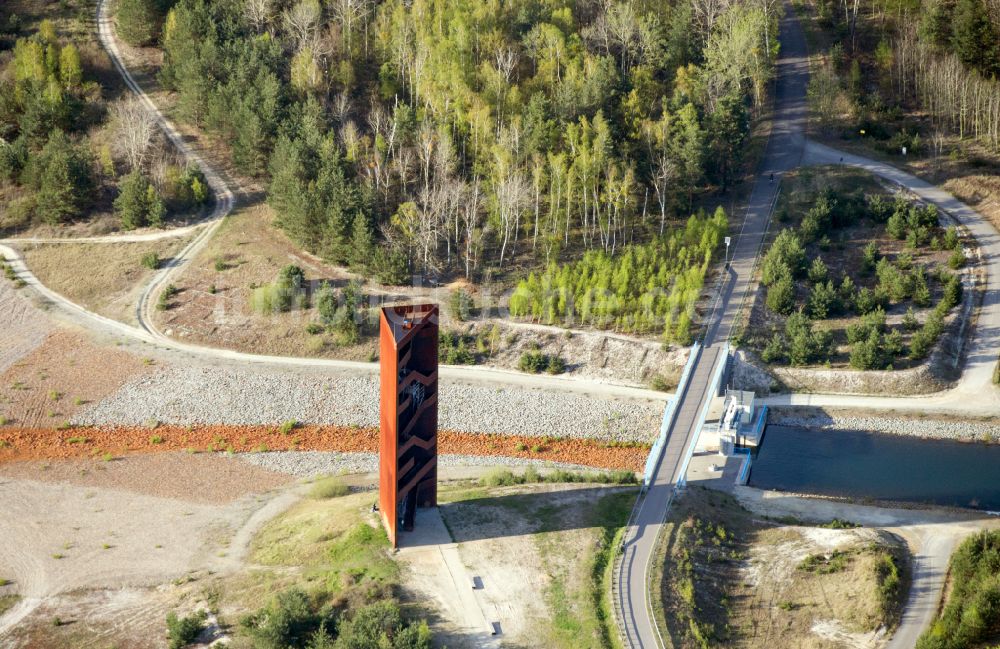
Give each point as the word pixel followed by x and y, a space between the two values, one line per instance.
pixel 783 153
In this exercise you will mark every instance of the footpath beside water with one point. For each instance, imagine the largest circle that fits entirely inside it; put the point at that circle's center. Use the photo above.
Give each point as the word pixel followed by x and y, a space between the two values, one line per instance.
pixel 879 466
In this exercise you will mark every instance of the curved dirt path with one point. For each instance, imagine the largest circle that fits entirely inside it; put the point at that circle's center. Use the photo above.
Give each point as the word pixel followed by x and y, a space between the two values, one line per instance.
pixel 149 333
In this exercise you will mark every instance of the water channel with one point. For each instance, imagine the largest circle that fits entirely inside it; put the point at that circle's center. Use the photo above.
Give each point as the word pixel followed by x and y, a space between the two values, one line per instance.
pixel 884 467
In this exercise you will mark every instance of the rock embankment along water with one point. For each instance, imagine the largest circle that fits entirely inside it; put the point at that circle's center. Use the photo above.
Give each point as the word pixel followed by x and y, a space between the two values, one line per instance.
pixel 982 430
pixel 193 396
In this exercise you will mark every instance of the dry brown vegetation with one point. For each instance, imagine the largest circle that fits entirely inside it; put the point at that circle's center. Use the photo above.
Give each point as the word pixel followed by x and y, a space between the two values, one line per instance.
pixel 734 580
pixel 103 277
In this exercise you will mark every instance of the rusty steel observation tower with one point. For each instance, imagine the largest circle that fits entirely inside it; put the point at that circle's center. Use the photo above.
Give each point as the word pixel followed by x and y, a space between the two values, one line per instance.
pixel 408 353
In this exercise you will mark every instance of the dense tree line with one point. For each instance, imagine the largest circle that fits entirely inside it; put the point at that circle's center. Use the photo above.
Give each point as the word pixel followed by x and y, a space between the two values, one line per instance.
pixel 42 100
pixel 971 613
pixel 648 287
pixel 458 137
pixel 49 115
pixel 942 56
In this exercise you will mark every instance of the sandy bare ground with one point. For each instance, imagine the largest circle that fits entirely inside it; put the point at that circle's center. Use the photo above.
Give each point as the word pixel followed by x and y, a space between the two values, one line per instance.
pixel 105 549
pixel 60 376
pixel 931 534
pixel 22 326
pixel 528 549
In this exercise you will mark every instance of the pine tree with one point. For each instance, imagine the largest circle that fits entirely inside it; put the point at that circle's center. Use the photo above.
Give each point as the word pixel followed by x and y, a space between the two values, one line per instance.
pixel 138 21
pixel 63 180
pixel 362 243
pixel 973 37
pixel 132 202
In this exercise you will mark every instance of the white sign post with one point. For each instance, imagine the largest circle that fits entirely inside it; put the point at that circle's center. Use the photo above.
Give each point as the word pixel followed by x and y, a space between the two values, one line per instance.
pixel 727 253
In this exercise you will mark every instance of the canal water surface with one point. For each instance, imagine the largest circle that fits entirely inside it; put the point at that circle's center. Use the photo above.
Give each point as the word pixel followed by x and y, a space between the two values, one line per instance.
pixel 885 467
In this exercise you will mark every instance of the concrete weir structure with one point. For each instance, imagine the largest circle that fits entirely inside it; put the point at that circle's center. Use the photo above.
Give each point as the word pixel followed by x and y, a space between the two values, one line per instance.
pixel 408 419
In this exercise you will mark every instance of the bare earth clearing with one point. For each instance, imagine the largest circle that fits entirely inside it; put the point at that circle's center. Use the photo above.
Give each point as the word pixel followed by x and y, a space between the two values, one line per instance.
pixel 99 549
pixel 97 553
pixel 60 377
pixel 749 582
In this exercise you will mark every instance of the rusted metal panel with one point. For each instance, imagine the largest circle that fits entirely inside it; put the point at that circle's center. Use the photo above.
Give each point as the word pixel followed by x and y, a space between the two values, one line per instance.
pixel 408 353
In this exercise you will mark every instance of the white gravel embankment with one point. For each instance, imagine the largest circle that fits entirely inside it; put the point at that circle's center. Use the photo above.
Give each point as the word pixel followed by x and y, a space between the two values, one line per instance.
pixel 914 427
pixel 190 396
pixel 308 464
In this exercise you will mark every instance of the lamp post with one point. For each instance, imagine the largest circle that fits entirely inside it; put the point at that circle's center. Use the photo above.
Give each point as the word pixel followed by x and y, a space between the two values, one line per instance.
pixel 727 253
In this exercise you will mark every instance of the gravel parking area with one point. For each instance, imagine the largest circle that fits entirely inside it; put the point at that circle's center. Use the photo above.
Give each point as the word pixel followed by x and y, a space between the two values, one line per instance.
pixel 308 464
pixel 192 396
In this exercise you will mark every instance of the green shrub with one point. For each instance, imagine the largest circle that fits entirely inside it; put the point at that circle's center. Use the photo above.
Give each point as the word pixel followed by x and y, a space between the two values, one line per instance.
pixel 328 487
pixel 952 293
pixel 951 240
pixel 805 345
pixel 781 295
pixel 500 478
pixel 823 300
pixel 460 304
pixel 150 260
pixel 818 271
pixel 537 362
pixel 774 350
pixel 870 257
pixel 869 353
pixel 282 295
pixel 138 21
pixel 786 257
pixel 660 383
pixel 288 426
pixel 453 348
pixel 138 203
pixel 182 631
pixel 288 620
pixel 825 564
pixel 956 260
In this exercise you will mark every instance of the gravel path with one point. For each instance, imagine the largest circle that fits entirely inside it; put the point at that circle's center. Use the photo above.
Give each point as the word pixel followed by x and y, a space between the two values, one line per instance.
pixel 187 396
pixel 307 464
pixel 987 430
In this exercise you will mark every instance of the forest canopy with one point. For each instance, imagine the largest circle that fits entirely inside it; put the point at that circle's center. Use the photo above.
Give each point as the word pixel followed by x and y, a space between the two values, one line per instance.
pixel 472 136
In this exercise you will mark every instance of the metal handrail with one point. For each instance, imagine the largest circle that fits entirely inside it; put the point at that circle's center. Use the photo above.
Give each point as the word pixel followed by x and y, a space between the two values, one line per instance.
pixel 756 262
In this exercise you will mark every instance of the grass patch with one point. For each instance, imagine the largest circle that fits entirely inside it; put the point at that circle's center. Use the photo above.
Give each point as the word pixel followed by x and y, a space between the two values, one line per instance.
pixel 7 602
pixel 825 564
pixel 579 594
pixel 77 439
pixel 328 487
pixel 506 477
